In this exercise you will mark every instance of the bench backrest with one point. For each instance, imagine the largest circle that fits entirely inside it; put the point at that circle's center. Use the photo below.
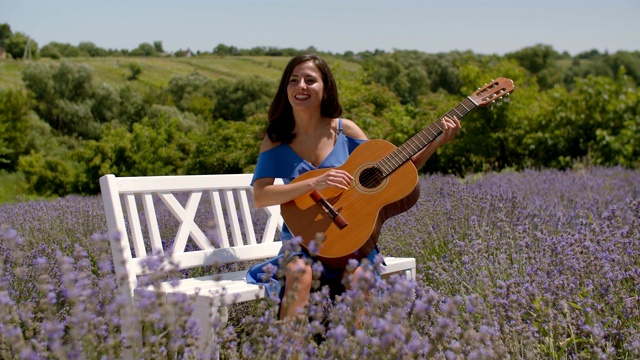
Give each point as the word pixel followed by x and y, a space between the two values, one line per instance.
pixel 213 221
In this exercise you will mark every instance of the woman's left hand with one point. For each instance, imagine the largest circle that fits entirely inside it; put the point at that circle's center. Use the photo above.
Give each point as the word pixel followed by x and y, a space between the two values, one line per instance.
pixel 449 131
pixel 451 128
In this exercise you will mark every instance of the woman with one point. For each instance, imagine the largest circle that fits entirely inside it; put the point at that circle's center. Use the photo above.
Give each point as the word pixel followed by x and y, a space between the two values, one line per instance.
pixel 305 132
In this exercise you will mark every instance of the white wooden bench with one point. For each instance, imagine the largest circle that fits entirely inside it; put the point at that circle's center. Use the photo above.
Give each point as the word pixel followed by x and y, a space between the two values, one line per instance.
pixel 132 206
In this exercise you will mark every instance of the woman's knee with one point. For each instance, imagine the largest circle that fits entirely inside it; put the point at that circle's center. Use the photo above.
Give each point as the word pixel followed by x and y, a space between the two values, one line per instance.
pixel 361 278
pixel 299 271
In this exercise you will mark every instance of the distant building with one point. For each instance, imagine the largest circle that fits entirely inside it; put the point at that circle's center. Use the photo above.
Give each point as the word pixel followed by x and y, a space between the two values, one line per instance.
pixel 183 53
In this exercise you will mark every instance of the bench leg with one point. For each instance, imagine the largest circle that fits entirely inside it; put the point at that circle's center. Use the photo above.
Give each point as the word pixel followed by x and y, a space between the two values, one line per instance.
pixel 410 274
pixel 130 327
pixel 207 318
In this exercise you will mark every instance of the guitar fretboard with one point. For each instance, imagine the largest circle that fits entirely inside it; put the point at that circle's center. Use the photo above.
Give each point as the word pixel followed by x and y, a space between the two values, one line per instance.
pixel 420 140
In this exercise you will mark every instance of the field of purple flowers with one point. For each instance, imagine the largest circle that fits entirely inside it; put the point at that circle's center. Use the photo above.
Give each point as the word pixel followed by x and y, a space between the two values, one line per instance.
pixel 534 264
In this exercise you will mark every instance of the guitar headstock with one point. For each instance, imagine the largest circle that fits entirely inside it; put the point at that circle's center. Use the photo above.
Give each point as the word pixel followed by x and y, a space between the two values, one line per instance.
pixel 493 91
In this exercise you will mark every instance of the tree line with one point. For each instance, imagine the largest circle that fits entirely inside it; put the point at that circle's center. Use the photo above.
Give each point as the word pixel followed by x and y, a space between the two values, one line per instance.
pixel 66 128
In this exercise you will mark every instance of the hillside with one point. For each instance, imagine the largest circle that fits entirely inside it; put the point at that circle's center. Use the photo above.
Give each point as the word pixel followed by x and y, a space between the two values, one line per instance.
pixel 198 115
pixel 157 71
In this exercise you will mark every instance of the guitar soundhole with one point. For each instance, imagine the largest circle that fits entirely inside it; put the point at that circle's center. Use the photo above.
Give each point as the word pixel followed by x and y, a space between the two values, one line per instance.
pixel 371 178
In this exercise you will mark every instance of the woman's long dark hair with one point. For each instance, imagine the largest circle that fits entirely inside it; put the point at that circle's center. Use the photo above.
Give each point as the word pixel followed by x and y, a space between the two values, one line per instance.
pixel 281 122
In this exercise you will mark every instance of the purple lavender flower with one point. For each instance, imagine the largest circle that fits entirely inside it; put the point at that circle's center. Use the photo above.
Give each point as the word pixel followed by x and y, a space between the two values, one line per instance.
pixel 530 264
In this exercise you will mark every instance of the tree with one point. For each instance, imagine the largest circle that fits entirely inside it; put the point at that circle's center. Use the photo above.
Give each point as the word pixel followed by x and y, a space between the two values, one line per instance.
pixel 50 51
pixel 135 70
pixel 223 49
pixel 372 106
pixel 48 175
pixel 73 82
pixel 57 50
pixel 63 96
pixel 627 60
pixel 535 58
pixel 17 45
pixel 14 127
pixel 401 71
pixel 91 49
pixel 157 46
pixel 144 49
pixel 227 147
pixel 5 33
pixel 132 107
pixel 106 103
pixel 242 98
pixel 161 143
pixel 38 78
pixel 581 68
pixel 194 93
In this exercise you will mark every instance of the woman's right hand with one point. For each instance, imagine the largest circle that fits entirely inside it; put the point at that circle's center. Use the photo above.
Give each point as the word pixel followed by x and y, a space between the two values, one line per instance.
pixel 333 178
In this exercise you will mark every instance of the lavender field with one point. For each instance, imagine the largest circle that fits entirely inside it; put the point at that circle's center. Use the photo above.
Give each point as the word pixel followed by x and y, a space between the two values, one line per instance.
pixel 531 265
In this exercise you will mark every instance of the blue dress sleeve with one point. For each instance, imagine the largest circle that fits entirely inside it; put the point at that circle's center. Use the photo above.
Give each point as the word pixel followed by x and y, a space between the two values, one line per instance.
pixel 279 162
pixel 266 167
pixel 353 143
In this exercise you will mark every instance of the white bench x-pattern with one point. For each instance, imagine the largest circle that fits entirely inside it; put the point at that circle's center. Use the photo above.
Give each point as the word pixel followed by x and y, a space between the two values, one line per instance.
pixel 242 234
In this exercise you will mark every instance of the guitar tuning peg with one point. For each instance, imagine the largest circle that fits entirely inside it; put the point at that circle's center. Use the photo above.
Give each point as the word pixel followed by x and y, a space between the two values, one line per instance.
pixel 499 102
pixel 506 98
pixel 491 104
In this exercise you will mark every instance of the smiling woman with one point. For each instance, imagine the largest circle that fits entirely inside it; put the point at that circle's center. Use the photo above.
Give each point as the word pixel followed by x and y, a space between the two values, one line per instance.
pixel 305 132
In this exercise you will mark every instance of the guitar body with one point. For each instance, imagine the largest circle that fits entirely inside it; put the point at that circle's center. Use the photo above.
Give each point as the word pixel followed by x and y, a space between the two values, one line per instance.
pixel 364 206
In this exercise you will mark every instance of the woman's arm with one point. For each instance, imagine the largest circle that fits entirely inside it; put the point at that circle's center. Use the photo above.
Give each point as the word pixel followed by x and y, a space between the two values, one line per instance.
pixel 266 193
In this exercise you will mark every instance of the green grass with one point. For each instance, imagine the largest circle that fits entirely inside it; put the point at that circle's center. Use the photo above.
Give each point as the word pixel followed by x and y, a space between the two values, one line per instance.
pixel 10 74
pixel 13 187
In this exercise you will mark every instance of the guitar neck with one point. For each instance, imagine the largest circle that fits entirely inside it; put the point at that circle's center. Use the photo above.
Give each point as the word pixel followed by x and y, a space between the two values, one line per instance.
pixel 424 137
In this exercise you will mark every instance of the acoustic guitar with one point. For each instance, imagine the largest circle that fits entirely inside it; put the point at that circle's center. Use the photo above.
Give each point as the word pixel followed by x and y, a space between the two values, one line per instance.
pixel 345 224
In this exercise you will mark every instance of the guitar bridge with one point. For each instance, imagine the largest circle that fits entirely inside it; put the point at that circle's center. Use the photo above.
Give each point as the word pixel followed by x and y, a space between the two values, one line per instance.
pixel 329 209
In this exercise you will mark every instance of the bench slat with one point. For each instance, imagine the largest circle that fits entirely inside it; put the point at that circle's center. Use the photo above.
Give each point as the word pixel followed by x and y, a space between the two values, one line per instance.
pixel 186 216
pixel 245 212
pixel 152 224
pixel 220 228
pixel 232 213
pixel 214 257
pixel 134 220
pixel 182 183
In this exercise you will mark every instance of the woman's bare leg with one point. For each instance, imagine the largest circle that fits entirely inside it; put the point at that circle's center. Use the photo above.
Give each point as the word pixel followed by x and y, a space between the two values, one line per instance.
pixel 298 279
pixel 358 280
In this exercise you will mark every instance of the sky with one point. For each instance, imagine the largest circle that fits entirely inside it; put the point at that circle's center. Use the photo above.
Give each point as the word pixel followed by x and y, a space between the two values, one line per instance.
pixel 431 26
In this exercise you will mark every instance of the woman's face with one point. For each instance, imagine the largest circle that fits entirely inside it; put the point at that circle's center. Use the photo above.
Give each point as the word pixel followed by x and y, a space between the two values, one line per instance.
pixel 305 88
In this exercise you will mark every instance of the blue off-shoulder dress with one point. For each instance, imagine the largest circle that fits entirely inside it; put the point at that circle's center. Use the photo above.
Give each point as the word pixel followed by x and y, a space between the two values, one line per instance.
pixel 282 162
